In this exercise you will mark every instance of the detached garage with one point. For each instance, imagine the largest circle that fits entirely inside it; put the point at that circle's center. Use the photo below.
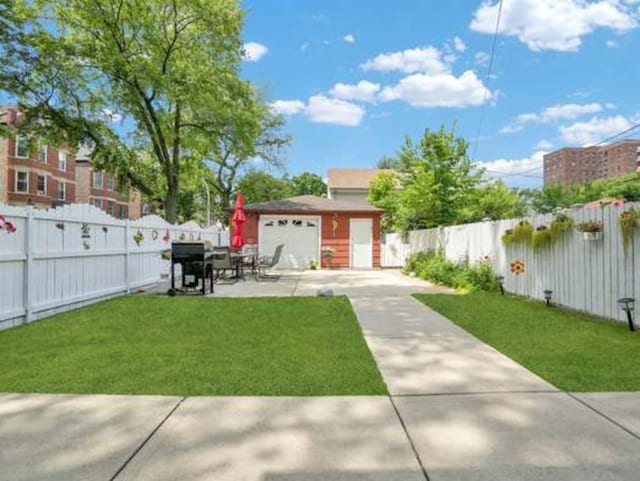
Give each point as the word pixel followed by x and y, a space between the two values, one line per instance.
pixel 307 225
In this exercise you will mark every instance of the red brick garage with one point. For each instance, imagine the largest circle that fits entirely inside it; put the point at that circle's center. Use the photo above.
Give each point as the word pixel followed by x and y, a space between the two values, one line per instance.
pixel 307 224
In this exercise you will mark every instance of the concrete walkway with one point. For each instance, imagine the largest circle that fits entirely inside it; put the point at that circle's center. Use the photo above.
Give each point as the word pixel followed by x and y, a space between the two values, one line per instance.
pixel 471 413
pixel 457 410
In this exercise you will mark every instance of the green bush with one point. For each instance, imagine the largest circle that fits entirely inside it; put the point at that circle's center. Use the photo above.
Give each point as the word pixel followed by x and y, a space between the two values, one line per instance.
pixel 435 267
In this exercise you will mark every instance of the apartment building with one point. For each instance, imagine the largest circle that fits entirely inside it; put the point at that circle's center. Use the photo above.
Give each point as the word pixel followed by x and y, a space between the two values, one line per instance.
pixel 578 165
pixel 34 173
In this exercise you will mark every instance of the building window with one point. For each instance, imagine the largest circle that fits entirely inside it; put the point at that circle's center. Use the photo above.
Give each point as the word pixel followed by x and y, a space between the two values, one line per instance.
pixel 22 147
pixel 97 203
pixel 110 207
pixel 111 182
pixel 62 160
pixel 97 180
pixel 123 211
pixel 42 153
pixel 42 184
pixel 62 191
pixel 22 181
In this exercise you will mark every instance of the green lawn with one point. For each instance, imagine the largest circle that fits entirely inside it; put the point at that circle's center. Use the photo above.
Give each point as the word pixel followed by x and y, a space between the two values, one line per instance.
pixel 193 346
pixel 573 351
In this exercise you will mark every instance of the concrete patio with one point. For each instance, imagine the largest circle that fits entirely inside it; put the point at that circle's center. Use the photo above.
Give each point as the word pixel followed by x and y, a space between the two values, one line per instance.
pixel 457 410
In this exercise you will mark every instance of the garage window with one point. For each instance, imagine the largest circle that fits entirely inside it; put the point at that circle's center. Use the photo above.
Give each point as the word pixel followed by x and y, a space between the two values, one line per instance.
pixel 297 222
pixel 311 224
pixel 269 224
pixel 283 223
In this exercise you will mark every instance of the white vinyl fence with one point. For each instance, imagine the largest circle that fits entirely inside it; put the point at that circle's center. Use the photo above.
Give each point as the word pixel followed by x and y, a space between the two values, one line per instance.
pixel 71 256
pixel 585 275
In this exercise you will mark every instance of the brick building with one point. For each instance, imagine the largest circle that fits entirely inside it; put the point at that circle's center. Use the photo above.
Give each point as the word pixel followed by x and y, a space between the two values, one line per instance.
pixel 32 172
pixel 578 165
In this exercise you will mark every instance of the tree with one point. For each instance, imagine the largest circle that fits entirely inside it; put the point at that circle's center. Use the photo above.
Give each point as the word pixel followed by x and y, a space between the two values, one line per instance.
pixel 494 200
pixel 261 186
pixel 308 183
pixel 387 162
pixel 169 67
pixel 433 185
pixel 257 137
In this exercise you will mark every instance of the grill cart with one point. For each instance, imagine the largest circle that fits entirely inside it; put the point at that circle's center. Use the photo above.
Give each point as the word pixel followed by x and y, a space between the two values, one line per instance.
pixel 197 266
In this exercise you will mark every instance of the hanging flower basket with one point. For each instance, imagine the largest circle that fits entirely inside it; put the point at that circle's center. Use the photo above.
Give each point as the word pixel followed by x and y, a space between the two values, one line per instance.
pixel 591 230
pixel 592 236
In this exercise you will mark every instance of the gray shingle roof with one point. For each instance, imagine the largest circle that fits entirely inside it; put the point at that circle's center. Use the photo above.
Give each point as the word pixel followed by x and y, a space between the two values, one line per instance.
pixel 310 203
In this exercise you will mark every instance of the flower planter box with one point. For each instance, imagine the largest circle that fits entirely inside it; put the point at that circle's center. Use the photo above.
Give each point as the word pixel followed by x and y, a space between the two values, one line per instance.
pixel 592 236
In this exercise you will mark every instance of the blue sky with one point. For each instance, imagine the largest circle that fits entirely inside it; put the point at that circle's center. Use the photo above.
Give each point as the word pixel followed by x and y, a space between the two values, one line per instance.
pixel 353 77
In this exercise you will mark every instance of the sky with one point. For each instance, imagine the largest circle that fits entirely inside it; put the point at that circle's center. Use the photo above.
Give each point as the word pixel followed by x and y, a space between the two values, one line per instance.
pixel 354 77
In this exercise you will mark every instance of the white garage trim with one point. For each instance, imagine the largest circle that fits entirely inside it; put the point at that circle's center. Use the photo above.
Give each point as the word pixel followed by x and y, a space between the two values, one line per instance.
pixel 264 218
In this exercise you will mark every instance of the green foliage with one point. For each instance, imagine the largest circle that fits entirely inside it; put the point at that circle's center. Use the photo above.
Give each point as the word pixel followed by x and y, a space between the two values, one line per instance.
pixel 590 226
pixel 493 200
pixel 261 186
pixel 541 238
pixel 554 197
pixel 507 237
pixel 432 184
pixel 170 69
pixel 523 232
pixel 308 183
pixel 628 221
pixel 560 224
pixel 435 267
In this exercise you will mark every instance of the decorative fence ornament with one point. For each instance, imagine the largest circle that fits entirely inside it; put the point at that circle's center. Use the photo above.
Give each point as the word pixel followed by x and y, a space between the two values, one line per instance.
pixel 517 267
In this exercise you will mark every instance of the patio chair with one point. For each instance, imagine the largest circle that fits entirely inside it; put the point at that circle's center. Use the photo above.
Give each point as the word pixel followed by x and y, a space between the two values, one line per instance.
pixel 222 262
pixel 250 254
pixel 268 262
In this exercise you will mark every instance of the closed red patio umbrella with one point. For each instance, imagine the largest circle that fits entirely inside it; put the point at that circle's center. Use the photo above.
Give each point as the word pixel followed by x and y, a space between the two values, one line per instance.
pixel 238 219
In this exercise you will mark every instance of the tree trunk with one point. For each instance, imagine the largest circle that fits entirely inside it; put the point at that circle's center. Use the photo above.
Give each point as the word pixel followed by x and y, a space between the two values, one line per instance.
pixel 171 200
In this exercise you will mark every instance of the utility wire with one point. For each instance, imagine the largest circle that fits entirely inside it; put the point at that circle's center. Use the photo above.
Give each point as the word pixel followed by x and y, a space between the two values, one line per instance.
pixel 613 137
pixel 486 81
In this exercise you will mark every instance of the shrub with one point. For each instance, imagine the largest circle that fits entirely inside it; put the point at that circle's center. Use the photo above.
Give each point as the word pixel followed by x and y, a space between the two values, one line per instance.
pixel 435 267
pixel 542 237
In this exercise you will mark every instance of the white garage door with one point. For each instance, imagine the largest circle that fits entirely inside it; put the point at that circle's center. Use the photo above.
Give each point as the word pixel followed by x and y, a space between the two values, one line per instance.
pixel 299 234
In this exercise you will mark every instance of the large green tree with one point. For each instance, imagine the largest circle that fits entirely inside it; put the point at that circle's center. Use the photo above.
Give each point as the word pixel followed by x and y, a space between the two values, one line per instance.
pixel 432 182
pixel 168 67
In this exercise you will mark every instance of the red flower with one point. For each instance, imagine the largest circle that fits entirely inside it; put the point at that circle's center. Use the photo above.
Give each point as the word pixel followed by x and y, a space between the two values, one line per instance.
pixel 10 227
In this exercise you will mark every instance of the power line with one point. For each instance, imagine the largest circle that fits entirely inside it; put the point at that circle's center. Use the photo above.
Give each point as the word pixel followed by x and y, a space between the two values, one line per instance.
pixel 608 139
pixel 486 80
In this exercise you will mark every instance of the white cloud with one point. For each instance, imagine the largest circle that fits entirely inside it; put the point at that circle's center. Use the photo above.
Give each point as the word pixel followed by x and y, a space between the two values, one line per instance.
pixel 553 114
pixel 287 107
pixel 304 46
pixel 441 90
pixel 612 44
pixel 508 170
pixel 543 145
pixel 424 59
pixel 364 91
pixel 112 116
pixel 482 58
pixel 325 110
pixel 595 130
pixel 459 45
pixel 349 38
pixel 254 51
pixel 553 24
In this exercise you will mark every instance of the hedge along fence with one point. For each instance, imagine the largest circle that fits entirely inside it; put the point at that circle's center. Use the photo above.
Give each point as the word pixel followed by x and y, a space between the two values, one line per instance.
pixel 60 259
pixel 587 275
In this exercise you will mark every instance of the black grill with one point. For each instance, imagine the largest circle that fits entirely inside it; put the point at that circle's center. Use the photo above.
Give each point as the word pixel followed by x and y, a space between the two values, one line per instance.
pixel 197 266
